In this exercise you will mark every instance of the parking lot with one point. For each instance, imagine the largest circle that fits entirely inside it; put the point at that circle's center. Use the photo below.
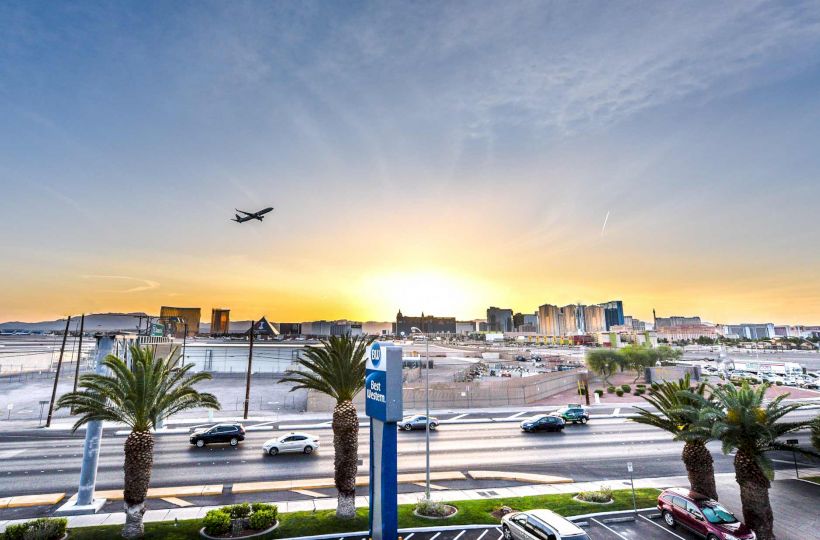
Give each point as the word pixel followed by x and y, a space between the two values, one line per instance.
pixel 645 526
pixel 619 526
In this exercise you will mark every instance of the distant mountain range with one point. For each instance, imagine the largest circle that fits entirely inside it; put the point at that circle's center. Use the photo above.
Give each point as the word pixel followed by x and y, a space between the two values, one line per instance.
pixel 110 322
pixel 102 322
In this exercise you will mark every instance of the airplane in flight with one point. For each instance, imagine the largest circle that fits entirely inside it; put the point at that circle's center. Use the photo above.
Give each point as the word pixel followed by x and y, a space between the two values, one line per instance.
pixel 260 215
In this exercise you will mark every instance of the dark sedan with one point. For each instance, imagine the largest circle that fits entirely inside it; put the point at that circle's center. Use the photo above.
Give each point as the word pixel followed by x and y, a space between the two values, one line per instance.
pixel 543 422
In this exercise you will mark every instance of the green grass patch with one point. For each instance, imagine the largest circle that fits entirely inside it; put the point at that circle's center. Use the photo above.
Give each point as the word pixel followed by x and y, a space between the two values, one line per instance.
pixel 325 522
pixel 815 479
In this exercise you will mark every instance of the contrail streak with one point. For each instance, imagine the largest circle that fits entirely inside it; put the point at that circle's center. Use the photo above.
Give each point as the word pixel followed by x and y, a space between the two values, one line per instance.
pixel 603 229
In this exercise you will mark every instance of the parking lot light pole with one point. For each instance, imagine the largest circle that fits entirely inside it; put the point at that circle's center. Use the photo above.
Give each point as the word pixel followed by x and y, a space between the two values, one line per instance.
pixel 426 409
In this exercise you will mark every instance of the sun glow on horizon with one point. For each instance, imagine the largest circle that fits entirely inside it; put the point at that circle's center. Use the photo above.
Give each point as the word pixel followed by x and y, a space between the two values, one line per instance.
pixel 432 292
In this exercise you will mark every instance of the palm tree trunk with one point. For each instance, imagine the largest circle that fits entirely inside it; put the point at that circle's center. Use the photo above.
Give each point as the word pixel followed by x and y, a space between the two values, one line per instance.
pixel 754 495
pixel 346 446
pixel 139 458
pixel 700 469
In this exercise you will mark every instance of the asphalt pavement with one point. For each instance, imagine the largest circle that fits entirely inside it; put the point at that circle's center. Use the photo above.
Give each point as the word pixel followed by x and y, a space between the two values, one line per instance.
pixel 40 461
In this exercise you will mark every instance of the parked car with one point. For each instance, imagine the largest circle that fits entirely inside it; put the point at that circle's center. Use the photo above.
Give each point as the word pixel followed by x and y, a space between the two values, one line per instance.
pixel 701 515
pixel 220 433
pixel 520 358
pixel 543 422
pixel 418 421
pixel 540 525
pixel 573 413
pixel 293 442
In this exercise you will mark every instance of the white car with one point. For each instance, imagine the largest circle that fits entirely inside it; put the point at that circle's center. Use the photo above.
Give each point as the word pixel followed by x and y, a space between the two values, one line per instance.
pixel 537 524
pixel 293 442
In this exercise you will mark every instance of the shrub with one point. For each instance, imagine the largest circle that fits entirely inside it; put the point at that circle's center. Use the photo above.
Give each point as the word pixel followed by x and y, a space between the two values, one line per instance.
pixel 16 532
pixel 431 508
pixel 636 392
pixel 603 495
pixel 641 385
pixel 217 521
pixel 778 383
pixel 626 388
pixel 599 392
pixel 238 511
pixel 262 519
pixel 619 392
pixel 259 506
pixel 610 389
pixel 38 529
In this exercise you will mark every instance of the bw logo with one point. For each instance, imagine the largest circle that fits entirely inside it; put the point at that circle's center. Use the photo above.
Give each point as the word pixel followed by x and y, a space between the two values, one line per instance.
pixel 375 354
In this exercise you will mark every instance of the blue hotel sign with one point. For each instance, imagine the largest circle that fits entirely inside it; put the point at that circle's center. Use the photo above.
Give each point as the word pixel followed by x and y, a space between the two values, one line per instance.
pixel 383 404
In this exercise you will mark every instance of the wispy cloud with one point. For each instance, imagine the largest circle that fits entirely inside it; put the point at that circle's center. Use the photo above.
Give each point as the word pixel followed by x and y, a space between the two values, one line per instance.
pixel 144 284
pixel 606 220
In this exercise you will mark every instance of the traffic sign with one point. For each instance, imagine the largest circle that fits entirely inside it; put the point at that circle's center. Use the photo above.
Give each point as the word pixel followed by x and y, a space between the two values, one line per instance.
pixel 629 466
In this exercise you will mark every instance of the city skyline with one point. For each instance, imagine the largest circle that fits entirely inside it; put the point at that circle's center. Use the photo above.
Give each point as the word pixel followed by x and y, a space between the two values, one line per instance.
pixel 424 157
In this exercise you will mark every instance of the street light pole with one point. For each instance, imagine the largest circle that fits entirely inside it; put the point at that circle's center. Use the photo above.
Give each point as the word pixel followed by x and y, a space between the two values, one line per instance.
pixel 427 413
pixel 426 410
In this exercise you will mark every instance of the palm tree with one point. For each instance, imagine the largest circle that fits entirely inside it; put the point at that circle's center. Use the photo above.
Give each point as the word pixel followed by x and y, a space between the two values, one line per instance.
pixel 743 422
pixel 679 407
pixel 815 433
pixel 337 368
pixel 141 397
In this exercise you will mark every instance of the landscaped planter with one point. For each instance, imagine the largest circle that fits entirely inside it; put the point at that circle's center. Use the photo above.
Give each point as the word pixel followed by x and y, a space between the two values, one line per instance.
pixel 448 516
pixel 576 498
pixel 247 533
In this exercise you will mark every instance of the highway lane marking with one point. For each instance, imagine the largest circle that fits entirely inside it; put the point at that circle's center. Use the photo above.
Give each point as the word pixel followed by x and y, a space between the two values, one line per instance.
pixel 458 416
pixel 613 531
pixel 662 527
pixel 409 536
pixel 482 534
pixel 308 493
pixel 459 535
pixel 435 536
pixel 176 501
pixel 500 534
pixel 516 415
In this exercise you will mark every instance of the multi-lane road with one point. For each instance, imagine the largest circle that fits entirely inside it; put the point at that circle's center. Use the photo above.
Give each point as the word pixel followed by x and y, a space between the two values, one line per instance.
pixel 39 461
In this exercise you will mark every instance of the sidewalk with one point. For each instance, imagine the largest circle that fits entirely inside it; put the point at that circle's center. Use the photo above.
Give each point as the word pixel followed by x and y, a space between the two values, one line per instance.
pixel 725 481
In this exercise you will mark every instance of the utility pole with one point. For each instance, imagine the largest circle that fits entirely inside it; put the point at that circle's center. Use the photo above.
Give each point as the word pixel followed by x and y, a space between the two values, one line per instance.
pixel 184 341
pixel 57 375
pixel 79 354
pixel 248 376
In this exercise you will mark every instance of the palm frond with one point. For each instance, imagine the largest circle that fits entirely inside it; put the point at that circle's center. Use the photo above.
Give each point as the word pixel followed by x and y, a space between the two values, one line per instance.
pixel 336 367
pixel 141 396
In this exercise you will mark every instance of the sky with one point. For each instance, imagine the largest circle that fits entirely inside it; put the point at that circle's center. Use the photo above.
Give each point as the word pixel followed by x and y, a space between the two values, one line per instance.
pixel 424 156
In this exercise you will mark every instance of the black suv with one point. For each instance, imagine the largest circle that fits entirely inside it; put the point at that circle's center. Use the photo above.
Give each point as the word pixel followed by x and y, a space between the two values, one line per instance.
pixel 220 433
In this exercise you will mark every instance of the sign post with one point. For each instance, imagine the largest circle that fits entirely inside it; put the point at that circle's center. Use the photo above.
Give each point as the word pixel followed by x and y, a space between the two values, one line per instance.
pixel 793 444
pixel 632 483
pixel 383 404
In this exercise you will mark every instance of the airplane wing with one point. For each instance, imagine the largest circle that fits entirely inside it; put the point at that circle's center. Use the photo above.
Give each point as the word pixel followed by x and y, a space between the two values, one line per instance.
pixel 243 212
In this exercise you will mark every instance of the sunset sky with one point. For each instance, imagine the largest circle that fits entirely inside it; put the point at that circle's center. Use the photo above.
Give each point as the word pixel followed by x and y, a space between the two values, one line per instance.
pixel 424 156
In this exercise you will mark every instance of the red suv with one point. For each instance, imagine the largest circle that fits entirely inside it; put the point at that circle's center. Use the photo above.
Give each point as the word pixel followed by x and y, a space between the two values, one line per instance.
pixel 701 515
